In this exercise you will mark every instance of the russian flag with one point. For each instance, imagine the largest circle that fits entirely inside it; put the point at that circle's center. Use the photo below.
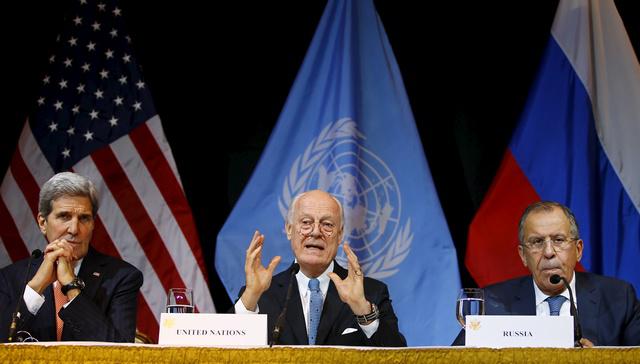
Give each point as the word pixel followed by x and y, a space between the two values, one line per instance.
pixel 578 143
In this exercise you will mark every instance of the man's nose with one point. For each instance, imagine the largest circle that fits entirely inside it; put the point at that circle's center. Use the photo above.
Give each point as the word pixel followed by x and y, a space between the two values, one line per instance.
pixel 316 232
pixel 72 226
pixel 548 249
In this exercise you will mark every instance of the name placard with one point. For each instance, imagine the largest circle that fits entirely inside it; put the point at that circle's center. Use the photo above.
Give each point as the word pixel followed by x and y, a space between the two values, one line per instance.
pixel 519 331
pixel 211 329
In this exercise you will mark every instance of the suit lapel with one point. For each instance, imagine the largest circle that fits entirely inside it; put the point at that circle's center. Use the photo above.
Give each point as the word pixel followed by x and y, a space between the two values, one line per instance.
pixel 588 304
pixel 91 272
pixel 524 299
pixel 332 308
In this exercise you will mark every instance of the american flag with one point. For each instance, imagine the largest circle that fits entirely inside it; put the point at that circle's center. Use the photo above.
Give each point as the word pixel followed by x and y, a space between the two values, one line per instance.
pixel 94 115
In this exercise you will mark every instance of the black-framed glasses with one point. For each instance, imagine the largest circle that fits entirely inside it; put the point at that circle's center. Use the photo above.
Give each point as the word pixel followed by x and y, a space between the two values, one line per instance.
pixel 306 227
pixel 557 243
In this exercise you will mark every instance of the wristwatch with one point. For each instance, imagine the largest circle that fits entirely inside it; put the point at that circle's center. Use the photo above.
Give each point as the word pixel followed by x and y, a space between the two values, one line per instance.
pixel 370 317
pixel 77 283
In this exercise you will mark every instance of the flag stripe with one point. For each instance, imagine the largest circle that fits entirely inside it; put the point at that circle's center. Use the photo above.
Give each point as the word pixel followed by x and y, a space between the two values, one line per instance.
pixel 27 183
pixel 155 127
pixel 5 258
pixel 20 213
pixel 9 233
pixel 32 156
pixel 134 212
pixel 169 187
pixel 162 218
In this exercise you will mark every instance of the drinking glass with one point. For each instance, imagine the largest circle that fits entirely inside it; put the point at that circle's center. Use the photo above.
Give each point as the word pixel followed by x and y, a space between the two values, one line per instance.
pixel 470 302
pixel 180 300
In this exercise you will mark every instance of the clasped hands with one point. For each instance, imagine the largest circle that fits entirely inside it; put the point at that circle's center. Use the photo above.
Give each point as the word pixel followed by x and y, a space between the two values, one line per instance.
pixel 258 278
pixel 57 265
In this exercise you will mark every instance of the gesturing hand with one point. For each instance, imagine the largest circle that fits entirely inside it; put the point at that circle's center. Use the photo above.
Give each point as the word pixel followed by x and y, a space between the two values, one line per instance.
pixel 258 277
pixel 351 289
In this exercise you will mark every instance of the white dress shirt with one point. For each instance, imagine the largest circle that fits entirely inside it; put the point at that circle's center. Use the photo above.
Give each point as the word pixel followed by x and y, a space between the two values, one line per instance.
pixel 542 306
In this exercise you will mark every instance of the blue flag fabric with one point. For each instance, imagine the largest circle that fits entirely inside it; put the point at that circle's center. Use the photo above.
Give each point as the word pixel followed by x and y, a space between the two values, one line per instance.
pixel 347 128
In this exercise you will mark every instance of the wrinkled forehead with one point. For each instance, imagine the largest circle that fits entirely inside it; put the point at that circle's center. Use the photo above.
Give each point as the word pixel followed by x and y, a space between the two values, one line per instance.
pixel 318 205
pixel 543 223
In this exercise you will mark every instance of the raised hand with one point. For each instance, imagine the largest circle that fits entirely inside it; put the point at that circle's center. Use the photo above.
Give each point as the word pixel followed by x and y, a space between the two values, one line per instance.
pixel 351 289
pixel 258 277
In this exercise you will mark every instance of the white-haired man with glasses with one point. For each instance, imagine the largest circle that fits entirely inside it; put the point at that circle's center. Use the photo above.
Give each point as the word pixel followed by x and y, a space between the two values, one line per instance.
pixel 550 244
pixel 329 305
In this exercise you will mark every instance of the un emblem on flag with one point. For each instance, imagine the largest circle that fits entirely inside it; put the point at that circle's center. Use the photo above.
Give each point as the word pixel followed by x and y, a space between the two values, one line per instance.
pixel 336 161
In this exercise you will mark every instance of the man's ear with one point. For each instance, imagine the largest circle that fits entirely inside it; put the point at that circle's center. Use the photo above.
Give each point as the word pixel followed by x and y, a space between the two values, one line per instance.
pixel 42 223
pixel 521 253
pixel 289 229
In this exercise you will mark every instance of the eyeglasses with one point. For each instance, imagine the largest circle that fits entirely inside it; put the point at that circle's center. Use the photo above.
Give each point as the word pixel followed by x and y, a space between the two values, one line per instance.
pixel 557 243
pixel 307 226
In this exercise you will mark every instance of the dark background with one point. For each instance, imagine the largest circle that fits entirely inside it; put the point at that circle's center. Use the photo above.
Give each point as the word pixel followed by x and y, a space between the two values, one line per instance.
pixel 220 72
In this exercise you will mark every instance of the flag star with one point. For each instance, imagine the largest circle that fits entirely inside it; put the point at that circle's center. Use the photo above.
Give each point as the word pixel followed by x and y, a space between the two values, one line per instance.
pixel 91 46
pixel 88 135
pixel 41 101
pixel 113 121
pixel 126 58
pixel 58 105
pixel 117 100
pixel 98 94
pixel 123 80
pixel 104 74
pixel 102 7
pixel 117 11
pixel 76 109
pixel 46 80
pixel 68 62
pixel 83 2
pixel 85 67
pixel 95 26
pixel 93 114
pixel 114 33
pixel 137 105
pixel 58 38
pixel 53 126
pixel 128 38
pixel 80 88
pixel 52 58
pixel 63 84
pixel 66 153
pixel 71 130
pixel 109 53
pixel 73 41
pixel 77 20
pixel 140 84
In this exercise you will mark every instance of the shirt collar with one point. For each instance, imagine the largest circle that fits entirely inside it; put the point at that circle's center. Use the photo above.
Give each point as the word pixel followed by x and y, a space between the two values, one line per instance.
pixel 303 281
pixel 541 296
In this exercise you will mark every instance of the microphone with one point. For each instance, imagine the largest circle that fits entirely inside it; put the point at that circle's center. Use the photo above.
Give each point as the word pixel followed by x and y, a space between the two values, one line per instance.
pixel 577 329
pixel 278 328
pixel 14 318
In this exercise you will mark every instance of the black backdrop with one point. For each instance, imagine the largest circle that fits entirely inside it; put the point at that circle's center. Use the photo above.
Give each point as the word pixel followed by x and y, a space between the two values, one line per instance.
pixel 220 72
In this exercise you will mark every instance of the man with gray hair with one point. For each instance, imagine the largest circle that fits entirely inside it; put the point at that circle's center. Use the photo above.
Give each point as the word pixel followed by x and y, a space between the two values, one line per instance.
pixel 73 292
pixel 329 305
pixel 550 245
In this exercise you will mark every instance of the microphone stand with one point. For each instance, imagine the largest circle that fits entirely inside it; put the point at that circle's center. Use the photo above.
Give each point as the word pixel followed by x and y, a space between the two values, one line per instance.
pixel 577 329
pixel 278 328
pixel 16 315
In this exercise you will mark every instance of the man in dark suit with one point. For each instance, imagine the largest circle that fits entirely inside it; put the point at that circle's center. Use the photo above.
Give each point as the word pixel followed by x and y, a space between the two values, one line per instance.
pixel 329 305
pixel 96 293
pixel 608 309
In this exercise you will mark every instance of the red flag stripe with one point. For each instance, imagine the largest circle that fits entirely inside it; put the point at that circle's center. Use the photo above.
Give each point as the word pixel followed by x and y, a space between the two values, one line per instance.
pixel 135 214
pixel 10 236
pixel 147 322
pixel 25 180
pixel 169 187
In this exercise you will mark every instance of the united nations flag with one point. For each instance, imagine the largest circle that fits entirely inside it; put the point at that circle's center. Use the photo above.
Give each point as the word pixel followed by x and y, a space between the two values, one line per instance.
pixel 347 128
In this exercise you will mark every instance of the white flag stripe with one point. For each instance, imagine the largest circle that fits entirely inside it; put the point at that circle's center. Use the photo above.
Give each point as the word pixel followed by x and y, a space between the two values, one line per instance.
pixel 4 255
pixel 32 156
pixel 611 74
pixel 163 220
pixel 155 126
pixel 124 239
pixel 21 213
